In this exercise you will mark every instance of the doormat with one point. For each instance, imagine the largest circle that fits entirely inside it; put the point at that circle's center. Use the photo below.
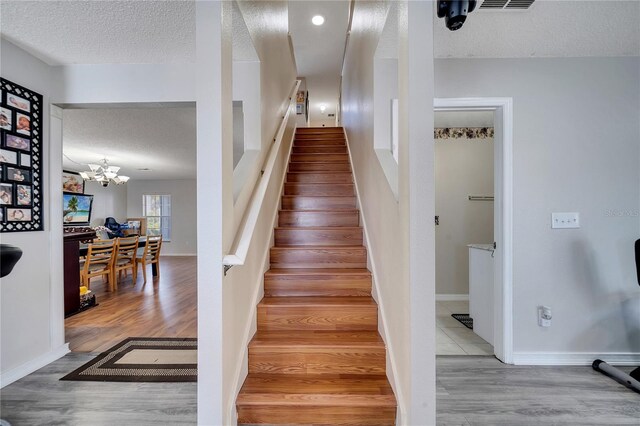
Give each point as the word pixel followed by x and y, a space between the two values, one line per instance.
pixel 143 359
pixel 465 319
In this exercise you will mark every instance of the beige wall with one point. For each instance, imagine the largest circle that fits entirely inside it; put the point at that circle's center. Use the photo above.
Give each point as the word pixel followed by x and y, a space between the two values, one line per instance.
pixel 107 202
pixel 31 296
pixel 463 167
pixel 399 242
pixel 183 211
pixel 576 132
pixel 267 23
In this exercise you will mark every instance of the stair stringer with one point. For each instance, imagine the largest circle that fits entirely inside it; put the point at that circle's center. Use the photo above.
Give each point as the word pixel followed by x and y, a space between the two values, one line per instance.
pixel 382 317
pixel 242 366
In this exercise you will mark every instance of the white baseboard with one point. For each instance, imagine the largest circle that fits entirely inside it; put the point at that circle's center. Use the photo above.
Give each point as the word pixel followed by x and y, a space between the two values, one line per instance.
pixel 452 297
pixel 178 254
pixel 575 358
pixel 27 368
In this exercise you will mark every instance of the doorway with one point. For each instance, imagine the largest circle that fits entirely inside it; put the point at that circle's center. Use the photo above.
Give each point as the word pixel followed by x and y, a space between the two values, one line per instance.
pixel 497 291
pixel 153 145
pixel 463 143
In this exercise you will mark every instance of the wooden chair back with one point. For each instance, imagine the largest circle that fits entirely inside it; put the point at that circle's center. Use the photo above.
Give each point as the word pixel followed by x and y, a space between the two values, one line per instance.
pixel 152 249
pixel 99 261
pixel 127 248
pixel 150 254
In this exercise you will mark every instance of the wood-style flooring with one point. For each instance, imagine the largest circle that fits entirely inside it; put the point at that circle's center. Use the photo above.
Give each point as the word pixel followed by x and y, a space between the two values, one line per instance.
pixel 41 399
pixel 470 391
pixel 163 307
pixel 480 390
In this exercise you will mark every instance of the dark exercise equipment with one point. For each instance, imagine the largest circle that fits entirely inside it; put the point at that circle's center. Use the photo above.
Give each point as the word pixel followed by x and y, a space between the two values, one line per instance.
pixel 632 379
pixel 9 257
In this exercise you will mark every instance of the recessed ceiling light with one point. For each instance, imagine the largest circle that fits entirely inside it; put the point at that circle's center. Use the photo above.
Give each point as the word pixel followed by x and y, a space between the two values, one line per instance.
pixel 322 107
pixel 317 20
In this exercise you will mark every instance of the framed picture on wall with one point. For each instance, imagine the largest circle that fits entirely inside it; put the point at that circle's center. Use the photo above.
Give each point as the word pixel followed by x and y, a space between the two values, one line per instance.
pixel 17 142
pixel 72 182
pixel 8 157
pixel 21 148
pixel 6 118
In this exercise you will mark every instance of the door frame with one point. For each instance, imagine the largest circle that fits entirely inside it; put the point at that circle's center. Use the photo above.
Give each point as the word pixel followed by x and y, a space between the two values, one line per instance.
pixel 503 213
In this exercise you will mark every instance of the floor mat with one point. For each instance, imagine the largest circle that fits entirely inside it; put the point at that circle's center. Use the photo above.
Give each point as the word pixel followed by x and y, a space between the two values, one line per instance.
pixel 143 359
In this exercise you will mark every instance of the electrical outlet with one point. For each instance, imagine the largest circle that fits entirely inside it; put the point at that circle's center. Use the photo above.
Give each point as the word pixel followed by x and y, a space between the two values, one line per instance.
pixel 544 316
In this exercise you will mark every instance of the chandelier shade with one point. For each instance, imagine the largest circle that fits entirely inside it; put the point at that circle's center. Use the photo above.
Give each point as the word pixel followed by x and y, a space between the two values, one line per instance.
pixel 104 173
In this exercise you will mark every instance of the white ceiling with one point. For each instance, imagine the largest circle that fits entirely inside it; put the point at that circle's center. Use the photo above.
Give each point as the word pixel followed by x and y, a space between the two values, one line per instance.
pixel 97 32
pixel 162 139
pixel 319 49
pixel 548 29
pixel 150 31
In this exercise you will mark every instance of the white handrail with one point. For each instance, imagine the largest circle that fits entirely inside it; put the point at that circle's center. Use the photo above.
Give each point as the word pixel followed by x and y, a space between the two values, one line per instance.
pixel 244 235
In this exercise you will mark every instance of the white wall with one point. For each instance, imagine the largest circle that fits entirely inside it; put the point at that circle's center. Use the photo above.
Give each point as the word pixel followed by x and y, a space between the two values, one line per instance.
pixel 576 133
pixel 32 294
pixel 267 23
pixel 399 243
pixel 183 211
pixel 463 167
pixel 107 202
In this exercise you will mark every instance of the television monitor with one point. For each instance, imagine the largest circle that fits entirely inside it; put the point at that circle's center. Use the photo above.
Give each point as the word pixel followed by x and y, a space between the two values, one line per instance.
pixel 76 209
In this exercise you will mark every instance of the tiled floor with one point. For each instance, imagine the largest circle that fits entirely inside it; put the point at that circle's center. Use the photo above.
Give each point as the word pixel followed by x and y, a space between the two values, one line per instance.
pixel 453 338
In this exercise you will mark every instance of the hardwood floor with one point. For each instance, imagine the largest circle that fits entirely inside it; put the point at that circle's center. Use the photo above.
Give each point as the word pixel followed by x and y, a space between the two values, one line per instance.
pixel 42 399
pixel 470 391
pixel 480 390
pixel 163 307
pixel 317 357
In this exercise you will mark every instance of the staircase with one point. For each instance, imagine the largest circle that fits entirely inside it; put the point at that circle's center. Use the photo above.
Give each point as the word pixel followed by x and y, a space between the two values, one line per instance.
pixel 317 357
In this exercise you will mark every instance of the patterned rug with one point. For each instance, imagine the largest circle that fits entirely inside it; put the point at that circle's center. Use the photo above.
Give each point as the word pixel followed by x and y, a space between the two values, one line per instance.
pixel 465 319
pixel 143 359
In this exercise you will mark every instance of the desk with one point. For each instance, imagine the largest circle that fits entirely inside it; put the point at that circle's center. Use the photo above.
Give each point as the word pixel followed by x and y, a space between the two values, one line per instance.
pixel 84 248
pixel 72 269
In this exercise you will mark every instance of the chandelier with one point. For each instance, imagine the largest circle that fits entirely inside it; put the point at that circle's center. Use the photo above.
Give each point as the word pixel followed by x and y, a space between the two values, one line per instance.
pixel 104 173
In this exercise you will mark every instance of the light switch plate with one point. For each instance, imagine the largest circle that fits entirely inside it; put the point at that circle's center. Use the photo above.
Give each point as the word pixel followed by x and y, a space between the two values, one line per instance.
pixel 565 220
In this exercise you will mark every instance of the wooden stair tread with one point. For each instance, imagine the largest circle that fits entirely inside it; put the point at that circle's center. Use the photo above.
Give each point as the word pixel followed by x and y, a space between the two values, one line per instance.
pixel 316 339
pixel 324 387
pixel 317 301
pixel 318 271
pixel 319 228
pixel 317 357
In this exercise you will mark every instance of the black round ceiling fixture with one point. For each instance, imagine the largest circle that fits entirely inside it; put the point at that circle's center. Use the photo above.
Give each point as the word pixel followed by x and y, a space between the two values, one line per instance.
pixel 455 12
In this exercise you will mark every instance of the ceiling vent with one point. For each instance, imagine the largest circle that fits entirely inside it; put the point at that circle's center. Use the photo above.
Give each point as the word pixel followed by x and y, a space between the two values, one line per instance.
pixel 506 4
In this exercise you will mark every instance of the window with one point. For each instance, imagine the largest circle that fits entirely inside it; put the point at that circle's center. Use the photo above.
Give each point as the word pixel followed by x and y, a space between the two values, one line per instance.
pixel 157 210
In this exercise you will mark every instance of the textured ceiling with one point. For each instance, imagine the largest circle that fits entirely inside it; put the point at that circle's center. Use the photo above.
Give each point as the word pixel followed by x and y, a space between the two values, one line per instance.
pixel 548 29
pixel 96 32
pixel 149 31
pixel 319 49
pixel 162 139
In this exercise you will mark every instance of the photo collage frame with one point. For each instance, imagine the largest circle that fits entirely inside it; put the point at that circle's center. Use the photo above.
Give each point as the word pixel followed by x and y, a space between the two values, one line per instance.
pixel 20 159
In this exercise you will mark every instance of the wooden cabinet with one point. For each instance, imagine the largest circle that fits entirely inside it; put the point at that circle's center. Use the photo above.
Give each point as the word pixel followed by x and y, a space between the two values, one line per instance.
pixel 72 269
pixel 137 226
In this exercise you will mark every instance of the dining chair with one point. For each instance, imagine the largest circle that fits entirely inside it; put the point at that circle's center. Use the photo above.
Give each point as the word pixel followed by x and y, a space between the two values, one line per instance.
pixel 99 262
pixel 126 250
pixel 149 255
